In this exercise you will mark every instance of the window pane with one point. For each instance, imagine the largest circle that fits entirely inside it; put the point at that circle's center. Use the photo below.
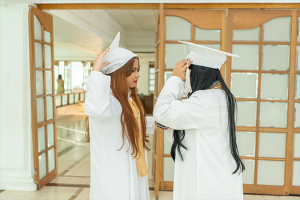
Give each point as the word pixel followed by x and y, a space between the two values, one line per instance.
pixel 167 76
pixel 276 57
pixel 270 172
pixel 298 57
pixel 42 165
pixel 248 174
pixel 58 100
pixel 296 173
pixel 76 98
pixel 248 59
pixel 246 143
pixel 297 115
pixel 38 55
pixel 298 29
pixel 51 160
pixel 65 100
pixel 240 81
pixel 47 36
pixel 48 82
pixel 151 88
pixel 178 28
pixel 151 82
pixel 82 97
pixel 71 99
pixel 50 134
pixel 278 29
pixel 297 145
pixel 39 83
pixel 273 114
pixel 246 35
pixel 272 145
pixel 246 113
pixel 151 70
pixel 41 139
pixel 175 53
pixel 207 35
pixel 48 57
pixel 40 110
pixel 37 28
pixel 168 169
pixel 167 143
pixel 274 86
pixel 49 101
pixel 297 86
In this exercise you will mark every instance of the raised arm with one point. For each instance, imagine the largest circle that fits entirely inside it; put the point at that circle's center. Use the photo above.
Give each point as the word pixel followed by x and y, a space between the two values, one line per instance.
pixel 179 114
pixel 99 101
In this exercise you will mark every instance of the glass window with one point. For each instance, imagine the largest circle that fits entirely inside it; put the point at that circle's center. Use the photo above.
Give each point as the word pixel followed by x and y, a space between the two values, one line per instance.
pixel 168 169
pixel 272 145
pixel 178 28
pixel 246 113
pixel 240 81
pixel 248 174
pixel 248 59
pixel 270 172
pixel 246 143
pixel 207 35
pixel 273 114
pixel 246 35
pixel 276 57
pixel 278 29
pixel 175 53
pixel 274 86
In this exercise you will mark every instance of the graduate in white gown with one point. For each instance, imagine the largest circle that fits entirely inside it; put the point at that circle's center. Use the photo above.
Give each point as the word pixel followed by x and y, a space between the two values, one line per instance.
pixel 117 127
pixel 207 163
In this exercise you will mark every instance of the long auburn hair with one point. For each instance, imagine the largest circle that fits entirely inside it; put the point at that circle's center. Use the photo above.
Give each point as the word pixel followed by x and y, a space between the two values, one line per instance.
pixel 130 128
pixel 203 78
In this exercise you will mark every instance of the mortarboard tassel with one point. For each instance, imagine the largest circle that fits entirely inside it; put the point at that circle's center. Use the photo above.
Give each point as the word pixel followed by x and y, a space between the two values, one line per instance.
pixel 187 85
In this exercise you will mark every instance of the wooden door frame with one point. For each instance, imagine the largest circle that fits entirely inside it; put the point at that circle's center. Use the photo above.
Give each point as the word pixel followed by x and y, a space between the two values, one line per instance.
pixel 46 21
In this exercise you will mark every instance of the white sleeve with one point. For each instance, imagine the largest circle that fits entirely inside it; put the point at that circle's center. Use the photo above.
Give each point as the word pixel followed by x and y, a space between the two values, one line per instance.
pixel 98 103
pixel 150 125
pixel 179 114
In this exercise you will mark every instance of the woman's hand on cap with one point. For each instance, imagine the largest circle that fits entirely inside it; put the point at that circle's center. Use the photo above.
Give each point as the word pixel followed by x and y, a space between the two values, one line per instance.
pixel 180 68
pixel 98 62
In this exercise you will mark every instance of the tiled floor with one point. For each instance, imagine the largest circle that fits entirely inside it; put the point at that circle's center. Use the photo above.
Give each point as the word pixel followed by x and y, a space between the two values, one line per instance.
pixel 72 182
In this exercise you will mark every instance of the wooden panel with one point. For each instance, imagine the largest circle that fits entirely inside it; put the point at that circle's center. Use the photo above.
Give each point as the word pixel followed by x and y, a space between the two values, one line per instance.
pixel 45 19
pixel 196 17
pixel 263 189
pixel 243 19
pixel 295 190
pixel 167 185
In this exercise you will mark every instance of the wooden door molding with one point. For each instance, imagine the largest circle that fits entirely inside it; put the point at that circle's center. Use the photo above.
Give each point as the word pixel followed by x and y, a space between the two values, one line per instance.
pixel 196 17
pixel 243 19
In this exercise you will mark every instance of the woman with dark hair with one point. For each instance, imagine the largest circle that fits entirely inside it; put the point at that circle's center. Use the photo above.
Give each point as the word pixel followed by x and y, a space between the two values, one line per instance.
pixel 117 127
pixel 207 162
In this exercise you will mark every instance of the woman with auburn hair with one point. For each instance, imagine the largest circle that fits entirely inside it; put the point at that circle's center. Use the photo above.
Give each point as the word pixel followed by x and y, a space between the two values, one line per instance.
pixel 117 127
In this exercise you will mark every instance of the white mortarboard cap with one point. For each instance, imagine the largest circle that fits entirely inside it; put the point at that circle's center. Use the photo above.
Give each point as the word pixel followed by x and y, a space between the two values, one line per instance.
pixel 116 56
pixel 205 56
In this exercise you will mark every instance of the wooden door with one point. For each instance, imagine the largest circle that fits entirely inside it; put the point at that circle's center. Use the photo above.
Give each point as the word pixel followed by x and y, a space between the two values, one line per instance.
pixel 263 80
pixel 206 27
pixel 42 96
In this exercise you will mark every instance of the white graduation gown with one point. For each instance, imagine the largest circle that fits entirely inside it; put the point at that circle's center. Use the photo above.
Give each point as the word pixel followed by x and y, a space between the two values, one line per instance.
pixel 206 172
pixel 114 174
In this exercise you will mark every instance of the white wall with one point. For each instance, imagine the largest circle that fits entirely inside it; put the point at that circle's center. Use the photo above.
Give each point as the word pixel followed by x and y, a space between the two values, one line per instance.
pixel 16 167
pixel 143 83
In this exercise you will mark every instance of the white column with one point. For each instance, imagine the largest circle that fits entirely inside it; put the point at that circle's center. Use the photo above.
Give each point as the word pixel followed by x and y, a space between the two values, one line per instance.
pixel 16 164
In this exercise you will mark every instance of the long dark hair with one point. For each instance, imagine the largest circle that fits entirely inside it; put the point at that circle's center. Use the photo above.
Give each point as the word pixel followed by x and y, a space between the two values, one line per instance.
pixel 203 78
